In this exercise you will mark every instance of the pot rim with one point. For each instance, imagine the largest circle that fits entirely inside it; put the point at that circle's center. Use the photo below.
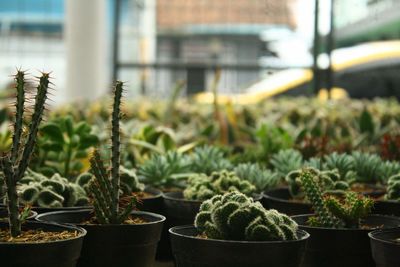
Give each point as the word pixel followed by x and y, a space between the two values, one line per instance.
pixel 265 194
pixel 172 230
pixel 373 236
pixel 160 218
pixel 344 229
pixel 82 234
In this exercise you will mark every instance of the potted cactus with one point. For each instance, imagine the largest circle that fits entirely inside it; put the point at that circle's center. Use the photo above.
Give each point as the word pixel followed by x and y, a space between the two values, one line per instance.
pixel 117 236
pixel 390 203
pixel 41 244
pixel 340 226
pixel 232 230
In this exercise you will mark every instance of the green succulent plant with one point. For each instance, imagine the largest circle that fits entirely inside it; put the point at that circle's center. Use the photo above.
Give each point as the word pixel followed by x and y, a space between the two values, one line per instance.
pixel 261 177
pixel 388 169
pixel 54 192
pixel 208 159
pixel 344 163
pixel 202 187
pixel 367 167
pixel 163 171
pixel 286 161
pixel 393 188
pixel 63 144
pixel 331 211
pixel 234 216
pixel 129 181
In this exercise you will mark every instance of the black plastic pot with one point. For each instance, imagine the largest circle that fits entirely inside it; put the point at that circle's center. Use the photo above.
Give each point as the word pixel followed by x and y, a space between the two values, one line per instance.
pixel 279 199
pixel 191 251
pixel 4 214
pixel 387 207
pixel 153 203
pixel 114 245
pixel 385 250
pixel 63 253
pixel 341 247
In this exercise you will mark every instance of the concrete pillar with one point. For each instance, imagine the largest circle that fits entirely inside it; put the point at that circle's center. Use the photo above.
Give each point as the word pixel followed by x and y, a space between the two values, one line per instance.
pixel 88 75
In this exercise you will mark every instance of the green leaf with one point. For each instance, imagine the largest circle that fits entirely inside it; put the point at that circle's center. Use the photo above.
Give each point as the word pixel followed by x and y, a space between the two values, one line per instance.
pixel 366 122
pixel 56 147
pixel 88 141
pixel 69 127
pixel 53 131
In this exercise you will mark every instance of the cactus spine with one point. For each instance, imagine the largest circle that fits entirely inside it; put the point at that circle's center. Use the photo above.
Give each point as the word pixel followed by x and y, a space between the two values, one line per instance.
pixel 13 166
pixel 104 187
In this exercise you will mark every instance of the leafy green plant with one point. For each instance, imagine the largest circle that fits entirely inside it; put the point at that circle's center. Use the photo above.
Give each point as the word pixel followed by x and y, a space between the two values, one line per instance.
pixel 272 139
pixel 164 171
pixel 330 211
pixel 54 192
pixel 105 186
pixel 63 145
pixel 286 161
pixel 261 177
pixel 202 187
pixel 234 216
pixel 208 159
pixel 393 188
pixel 16 161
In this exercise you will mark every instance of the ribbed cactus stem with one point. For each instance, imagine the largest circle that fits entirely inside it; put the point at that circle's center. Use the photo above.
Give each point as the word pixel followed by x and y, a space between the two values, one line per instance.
pixel 12 197
pixel 115 144
pixel 19 107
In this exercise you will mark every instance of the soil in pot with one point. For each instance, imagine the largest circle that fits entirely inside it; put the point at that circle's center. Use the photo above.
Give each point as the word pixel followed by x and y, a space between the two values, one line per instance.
pixel 281 200
pixel 42 244
pixel 342 247
pixel 114 245
pixel 190 250
pixel 385 246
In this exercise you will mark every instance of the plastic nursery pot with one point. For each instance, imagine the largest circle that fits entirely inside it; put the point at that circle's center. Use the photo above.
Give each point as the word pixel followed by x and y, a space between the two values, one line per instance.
pixel 387 207
pixel 385 248
pixel 192 251
pixel 341 247
pixel 62 253
pixel 153 203
pixel 4 214
pixel 41 210
pixel 280 199
pixel 114 245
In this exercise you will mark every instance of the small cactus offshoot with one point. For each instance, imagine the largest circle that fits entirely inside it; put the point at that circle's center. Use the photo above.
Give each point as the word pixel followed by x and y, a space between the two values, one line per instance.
pixel 105 186
pixel 393 188
pixel 234 216
pixel 14 163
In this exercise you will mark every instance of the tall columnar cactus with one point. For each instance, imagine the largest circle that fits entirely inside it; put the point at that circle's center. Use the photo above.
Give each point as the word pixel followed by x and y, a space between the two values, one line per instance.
pixel 15 162
pixel 105 186
pixel 393 188
pixel 234 216
pixel 330 211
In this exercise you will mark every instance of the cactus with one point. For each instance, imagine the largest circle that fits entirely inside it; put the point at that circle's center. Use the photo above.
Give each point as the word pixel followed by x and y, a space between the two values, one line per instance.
pixel 286 161
pixel 129 181
pixel 393 188
pixel 105 186
pixel 208 159
pixel 15 162
pixel 262 178
pixel 367 167
pixel 54 192
pixel 234 216
pixel 331 211
pixel 342 162
pixel 202 187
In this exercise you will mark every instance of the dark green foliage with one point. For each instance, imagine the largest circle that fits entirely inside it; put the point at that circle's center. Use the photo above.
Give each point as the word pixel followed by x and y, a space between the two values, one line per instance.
pixel 62 146
pixel 105 186
pixel 202 187
pixel 271 139
pixel 54 192
pixel 129 181
pixel 331 211
pixel 393 188
pixel 262 178
pixel 15 163
pixel 208 159
pixel 234 216
pixel 164 171
pixel 286 161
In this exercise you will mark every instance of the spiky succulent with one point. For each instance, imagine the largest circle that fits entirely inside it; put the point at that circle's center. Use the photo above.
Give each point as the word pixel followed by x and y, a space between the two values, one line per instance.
pixel 208 159
pixel 367 167
pixel 344 163
pixel 262 178
pixel 388 169
pixel 234 216
pixel 393 188
pixel 331 211
pixel 164 171
pixel 202 187
pixel 286 161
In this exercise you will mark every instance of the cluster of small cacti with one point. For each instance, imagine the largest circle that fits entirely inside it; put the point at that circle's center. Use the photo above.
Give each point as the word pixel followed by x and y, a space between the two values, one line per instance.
pixel 328 182
pixel 234 216
pixel 54 192
pixel 331 211
pixel 202 187
pixel 393 188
